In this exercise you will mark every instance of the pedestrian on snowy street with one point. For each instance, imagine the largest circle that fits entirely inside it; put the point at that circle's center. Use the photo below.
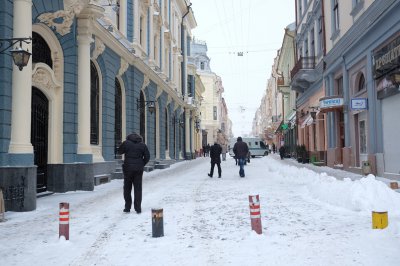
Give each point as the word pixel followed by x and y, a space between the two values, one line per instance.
pixel 241 150
pixel 215 155
pixel 224 151
pixel 282 152
pixel 273 147
pixel 208 149
pixel 137 155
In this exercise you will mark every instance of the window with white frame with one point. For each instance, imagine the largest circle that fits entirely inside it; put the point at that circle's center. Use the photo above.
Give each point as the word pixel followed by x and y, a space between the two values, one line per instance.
pixel 312 43
pixel 320 36
pixel 336 15
pixel 141 31
pixel 300 8
pixel 339 86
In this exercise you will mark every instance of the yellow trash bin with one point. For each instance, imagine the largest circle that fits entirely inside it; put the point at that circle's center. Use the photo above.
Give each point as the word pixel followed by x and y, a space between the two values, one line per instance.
pixel 379 220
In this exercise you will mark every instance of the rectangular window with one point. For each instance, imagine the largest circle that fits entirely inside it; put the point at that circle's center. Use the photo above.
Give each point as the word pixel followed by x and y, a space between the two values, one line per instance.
pixel 363 137
pixel 215 112
pixel 306 48
pixel 320 36
pixel 339 86
pixel 312 54
pixel 202 65
pixel 336 14
pixel 300 8
pixel 141 30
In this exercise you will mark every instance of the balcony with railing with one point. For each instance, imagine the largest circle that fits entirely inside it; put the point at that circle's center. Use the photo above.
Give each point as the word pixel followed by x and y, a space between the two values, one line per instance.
pixel 304 74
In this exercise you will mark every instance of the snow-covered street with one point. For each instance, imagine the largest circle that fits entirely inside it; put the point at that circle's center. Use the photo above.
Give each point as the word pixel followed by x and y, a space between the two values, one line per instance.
pixel 308 218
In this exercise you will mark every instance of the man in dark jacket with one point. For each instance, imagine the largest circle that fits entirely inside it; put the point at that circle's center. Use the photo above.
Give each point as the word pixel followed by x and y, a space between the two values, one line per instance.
pixel 215 155
pixel 241 151
pixel 282 151
pixel 137 155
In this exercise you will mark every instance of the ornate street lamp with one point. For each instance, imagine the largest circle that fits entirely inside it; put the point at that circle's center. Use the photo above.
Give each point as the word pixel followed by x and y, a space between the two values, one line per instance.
pixel 177 121
pixel 151 105
pixel 19 55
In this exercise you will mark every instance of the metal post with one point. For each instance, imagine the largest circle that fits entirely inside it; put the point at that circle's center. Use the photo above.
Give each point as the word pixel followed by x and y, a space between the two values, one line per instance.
pixel 255 213
pixel 64 220
pixel 157 222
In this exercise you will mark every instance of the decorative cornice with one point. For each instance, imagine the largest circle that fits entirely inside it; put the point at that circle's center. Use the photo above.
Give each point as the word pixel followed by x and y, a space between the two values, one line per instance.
pixel 123 68
pixel 66 16
pixel 146 82
pixel 159 92
pixel 99 48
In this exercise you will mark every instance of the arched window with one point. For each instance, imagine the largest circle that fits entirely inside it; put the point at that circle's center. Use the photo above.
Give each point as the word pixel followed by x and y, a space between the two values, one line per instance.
pixel 361 83
pixel 94 104
pixel 41 50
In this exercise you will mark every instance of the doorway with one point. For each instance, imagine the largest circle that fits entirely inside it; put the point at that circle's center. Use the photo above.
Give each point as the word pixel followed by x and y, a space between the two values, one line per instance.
pixel 39 136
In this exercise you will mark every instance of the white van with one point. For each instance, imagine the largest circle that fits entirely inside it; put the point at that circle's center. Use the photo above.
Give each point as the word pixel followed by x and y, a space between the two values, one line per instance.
pixel 257 147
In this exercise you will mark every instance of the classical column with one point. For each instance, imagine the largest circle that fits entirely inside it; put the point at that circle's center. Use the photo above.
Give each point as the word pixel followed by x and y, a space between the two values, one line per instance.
pixel 136 22
pixel 22 83
pixel 84 39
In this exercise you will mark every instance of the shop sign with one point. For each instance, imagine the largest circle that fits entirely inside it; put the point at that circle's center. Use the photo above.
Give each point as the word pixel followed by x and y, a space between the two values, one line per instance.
pixel 387 58
pixel 331 103
pixel 359 104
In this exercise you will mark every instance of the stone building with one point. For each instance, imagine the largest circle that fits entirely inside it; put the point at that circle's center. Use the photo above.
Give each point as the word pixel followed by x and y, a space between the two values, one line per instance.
pixel 99 70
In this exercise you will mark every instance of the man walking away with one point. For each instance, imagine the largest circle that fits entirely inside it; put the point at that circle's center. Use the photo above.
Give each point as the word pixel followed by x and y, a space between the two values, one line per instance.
pixel 137 155
pixel 241 150
pixel 215 155
pixel 282 151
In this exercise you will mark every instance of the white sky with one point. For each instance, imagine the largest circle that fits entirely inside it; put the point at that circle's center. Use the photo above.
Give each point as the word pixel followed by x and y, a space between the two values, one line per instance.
pixel 254 27
pixel 307 219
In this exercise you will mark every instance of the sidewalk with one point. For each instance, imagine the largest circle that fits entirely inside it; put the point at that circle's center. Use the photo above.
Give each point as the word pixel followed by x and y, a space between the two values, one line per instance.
pixel 337 173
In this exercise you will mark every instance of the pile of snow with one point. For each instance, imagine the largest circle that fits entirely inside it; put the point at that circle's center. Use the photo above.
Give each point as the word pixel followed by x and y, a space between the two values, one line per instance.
pixel 365 194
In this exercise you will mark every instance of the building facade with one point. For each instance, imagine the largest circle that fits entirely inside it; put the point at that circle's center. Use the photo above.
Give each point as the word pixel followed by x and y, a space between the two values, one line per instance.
pixel 99 70
pixel 362 85
pixel 307 77
pixel 215 123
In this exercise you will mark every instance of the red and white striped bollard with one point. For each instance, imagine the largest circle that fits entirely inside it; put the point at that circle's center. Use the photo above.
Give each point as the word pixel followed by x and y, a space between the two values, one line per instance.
pixel 64 220
pixel 255 213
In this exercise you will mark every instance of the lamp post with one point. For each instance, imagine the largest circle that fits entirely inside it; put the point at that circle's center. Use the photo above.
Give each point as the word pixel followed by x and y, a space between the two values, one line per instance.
pixel 19 55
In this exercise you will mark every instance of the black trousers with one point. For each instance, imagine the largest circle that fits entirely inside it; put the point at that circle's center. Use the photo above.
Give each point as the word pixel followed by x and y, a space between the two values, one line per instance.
pixel 133 178
pixel 212 169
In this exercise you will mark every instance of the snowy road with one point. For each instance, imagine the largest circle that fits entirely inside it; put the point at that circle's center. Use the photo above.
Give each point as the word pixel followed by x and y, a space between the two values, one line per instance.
pixel 307 218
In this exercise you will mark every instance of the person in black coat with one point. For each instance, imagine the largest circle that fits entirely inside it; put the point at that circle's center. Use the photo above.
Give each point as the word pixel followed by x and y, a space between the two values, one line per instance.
pixel 137 155
pixel 215 155
pixel 241 151
pixel 282 151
